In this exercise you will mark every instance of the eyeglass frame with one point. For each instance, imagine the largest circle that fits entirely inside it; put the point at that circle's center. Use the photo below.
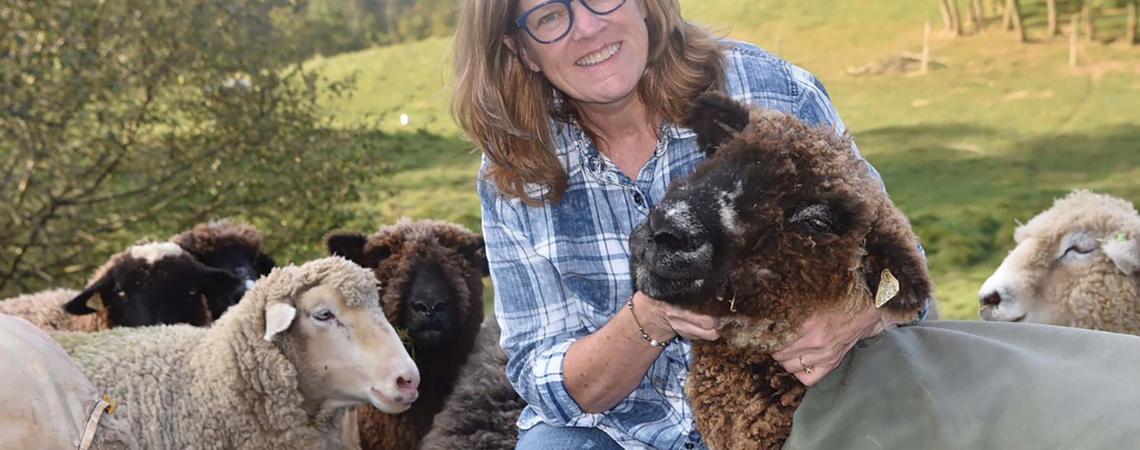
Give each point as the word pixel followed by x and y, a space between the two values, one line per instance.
pixel 520 22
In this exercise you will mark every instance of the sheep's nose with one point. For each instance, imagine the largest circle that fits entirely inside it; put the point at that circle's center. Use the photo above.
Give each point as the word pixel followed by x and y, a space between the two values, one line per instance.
pixel 428 308
pixel 667 235
pixel 990 299
pixel 407 384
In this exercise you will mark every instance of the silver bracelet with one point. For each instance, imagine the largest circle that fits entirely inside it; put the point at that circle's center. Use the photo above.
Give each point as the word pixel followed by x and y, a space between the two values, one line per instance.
pixel 652 342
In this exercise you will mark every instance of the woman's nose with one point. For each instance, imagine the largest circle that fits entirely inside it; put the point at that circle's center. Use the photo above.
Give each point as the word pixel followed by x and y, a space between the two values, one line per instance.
pixel 586 23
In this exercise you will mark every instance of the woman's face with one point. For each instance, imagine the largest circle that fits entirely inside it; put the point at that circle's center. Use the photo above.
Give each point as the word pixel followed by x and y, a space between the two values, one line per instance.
pixel 600 60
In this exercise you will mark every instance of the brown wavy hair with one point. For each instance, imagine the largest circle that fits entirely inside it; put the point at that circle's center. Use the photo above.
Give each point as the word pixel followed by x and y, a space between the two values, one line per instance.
pixel 505 108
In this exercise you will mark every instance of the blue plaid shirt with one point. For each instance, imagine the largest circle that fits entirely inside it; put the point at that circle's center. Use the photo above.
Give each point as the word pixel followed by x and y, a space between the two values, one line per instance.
pixel 561 270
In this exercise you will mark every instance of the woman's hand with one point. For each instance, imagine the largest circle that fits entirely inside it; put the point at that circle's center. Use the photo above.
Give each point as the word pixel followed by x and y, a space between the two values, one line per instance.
pixel 824 339
pixel 662 321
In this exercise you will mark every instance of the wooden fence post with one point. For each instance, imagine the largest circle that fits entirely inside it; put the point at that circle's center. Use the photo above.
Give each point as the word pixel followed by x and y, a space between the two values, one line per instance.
pixel 926 48
pixel 1073 41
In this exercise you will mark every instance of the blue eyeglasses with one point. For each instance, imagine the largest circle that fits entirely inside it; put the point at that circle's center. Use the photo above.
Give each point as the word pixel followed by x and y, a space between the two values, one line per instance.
pixel 551 21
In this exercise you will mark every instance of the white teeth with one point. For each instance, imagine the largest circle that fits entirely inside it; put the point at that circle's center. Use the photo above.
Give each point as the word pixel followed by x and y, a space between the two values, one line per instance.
pixel 600 56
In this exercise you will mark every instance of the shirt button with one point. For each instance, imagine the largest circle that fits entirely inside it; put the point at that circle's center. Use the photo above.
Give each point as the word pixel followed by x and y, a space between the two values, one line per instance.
pixel 638 198
pixel 689 445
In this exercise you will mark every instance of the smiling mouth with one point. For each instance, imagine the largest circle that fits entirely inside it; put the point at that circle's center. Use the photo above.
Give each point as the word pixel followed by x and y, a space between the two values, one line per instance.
pixel 599 56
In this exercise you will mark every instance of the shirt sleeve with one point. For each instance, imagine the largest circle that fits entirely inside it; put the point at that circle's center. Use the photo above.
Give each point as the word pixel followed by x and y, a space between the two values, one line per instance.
pixel 539 321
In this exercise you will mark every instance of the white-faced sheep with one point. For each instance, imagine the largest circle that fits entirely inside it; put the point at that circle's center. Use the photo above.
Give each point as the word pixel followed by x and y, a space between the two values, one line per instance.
pixel 482 411
pixel 146 284
pixel 783 220
pixel 1076 264
pixel 431 274
pixel 276 372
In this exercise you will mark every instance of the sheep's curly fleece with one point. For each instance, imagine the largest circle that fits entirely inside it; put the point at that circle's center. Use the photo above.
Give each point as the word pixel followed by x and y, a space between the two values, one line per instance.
pixel 224 387
pixel 481 412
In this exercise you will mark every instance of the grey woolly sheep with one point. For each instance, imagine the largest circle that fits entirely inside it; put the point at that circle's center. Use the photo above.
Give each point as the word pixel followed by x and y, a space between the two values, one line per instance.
pixel 482 411
pixel 431 273
pixel 276 372
pixel 146 284
pixel 1076 264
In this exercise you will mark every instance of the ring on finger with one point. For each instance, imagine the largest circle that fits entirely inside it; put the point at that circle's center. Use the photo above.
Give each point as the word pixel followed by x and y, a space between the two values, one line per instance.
pixel 807 369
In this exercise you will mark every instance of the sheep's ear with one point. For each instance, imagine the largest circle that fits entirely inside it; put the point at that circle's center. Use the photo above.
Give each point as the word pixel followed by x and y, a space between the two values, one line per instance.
pixel 278 317
pixel 86 302
pixel 896 269
pixel 476 252
pixel 1124 251
pixel 351 246
pixel 716 118
pixel 263 264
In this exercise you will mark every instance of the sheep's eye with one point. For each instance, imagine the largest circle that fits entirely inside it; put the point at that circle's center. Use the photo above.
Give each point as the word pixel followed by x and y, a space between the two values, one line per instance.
pixel 818 225
pixel 324 315
pixel 1078 250
pixel 814 219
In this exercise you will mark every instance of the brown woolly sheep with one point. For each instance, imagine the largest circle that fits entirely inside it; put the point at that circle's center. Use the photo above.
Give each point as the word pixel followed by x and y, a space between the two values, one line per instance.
pixel 231 246
pixel 1076 264
pixel 782 221
pixel 431 277
pixel 146 284
pixel 480 414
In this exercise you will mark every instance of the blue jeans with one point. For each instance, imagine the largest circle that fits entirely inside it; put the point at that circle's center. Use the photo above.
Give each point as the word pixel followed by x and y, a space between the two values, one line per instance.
pixel 546 437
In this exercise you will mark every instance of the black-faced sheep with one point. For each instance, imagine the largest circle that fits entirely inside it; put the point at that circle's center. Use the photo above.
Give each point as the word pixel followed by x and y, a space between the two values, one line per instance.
pixel 231 246
pixel 431 274
pixel 146 284
pixel 1076 264
pixel 782 221
pixel 276 372
pixel 482 411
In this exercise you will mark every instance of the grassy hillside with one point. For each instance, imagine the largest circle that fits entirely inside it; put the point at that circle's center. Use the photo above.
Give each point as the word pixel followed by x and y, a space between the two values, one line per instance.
pixel 967 151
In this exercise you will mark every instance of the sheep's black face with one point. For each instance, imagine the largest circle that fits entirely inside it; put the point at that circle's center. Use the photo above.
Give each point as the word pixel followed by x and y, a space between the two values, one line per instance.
pixel 678 253
pixel 245 263
pixel 171 290
pixel 430 275
pixel 431 305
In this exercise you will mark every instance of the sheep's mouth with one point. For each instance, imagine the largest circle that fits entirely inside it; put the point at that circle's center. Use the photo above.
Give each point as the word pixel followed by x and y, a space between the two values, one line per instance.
pixel 388 404
pixel 428 336
pixel 1020 319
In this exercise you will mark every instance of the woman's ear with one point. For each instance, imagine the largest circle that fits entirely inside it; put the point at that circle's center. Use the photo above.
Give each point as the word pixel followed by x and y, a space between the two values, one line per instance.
pixel 520 52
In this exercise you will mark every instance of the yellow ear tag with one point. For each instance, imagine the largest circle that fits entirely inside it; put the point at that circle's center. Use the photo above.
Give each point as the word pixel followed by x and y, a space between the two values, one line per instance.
pixel 111 404
pixel 95 302
pixel 888 288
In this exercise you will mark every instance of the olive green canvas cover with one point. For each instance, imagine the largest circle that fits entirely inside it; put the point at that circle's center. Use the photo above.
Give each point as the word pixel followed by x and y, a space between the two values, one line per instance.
pixel 978 385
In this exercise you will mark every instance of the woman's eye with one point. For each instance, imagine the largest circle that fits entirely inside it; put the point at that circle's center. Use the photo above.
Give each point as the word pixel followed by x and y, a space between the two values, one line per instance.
pixel 324 315
pixel 547 19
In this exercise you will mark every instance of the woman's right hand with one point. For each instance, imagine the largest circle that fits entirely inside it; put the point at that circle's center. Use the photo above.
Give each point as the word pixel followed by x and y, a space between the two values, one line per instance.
pixel 662 321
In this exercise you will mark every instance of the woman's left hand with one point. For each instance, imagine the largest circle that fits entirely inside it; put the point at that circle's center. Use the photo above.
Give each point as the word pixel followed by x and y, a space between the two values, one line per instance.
pixel 824 339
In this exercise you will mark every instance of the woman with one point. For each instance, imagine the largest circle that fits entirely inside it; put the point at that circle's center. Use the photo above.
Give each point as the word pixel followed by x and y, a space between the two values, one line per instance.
pixel 574 105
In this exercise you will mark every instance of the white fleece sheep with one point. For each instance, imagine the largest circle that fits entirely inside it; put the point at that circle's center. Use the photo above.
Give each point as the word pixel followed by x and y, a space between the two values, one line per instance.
pixel 1076 264
pixel 276 372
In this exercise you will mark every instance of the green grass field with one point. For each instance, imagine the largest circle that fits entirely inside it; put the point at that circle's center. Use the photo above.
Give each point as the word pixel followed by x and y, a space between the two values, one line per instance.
pixel 967 150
